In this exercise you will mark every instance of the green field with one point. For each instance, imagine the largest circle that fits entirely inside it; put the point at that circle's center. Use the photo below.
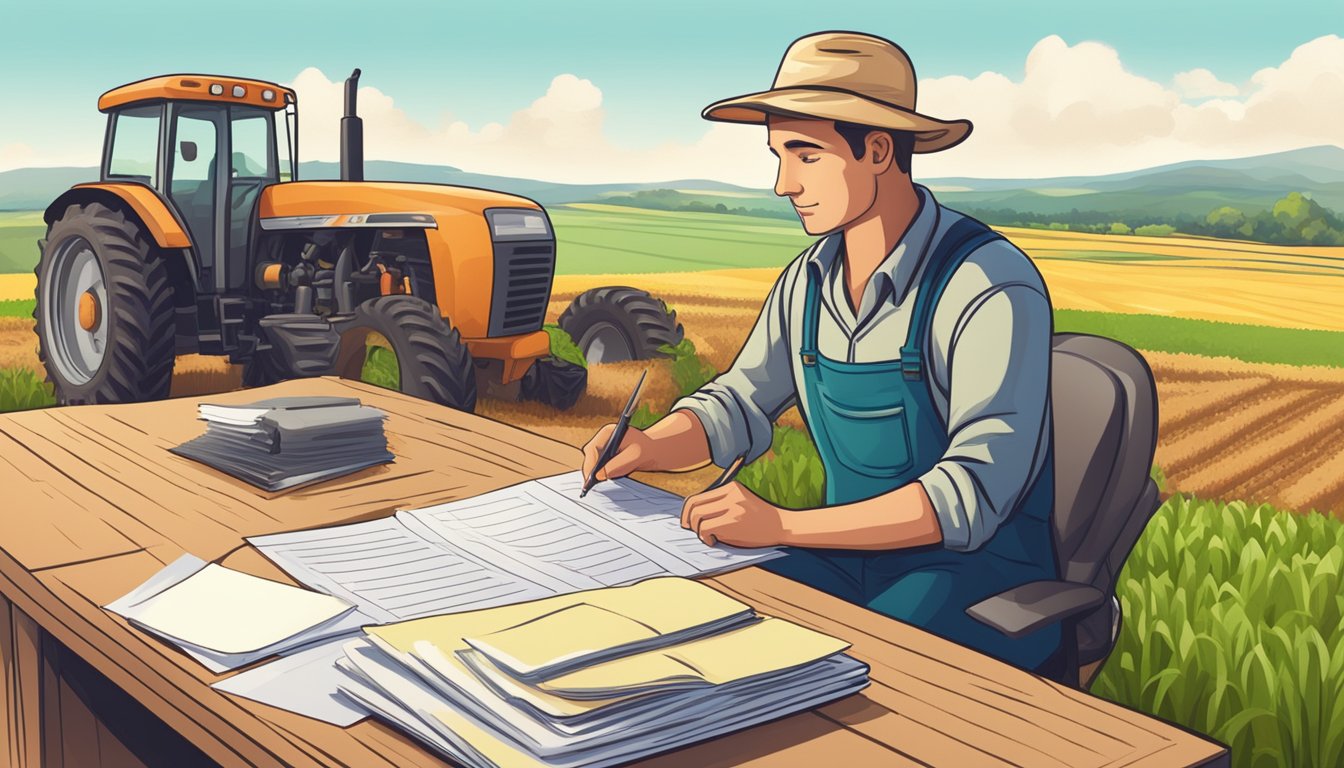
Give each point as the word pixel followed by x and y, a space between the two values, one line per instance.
pixel 1252 343
pixel 19 233
pixel 601 239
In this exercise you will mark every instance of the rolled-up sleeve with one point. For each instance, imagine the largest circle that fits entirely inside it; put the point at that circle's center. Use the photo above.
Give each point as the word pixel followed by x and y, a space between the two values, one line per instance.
pixel 998 365
pixel 738 408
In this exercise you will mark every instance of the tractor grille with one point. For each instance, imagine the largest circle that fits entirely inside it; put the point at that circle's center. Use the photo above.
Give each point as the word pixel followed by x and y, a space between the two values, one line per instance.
pixel 523 274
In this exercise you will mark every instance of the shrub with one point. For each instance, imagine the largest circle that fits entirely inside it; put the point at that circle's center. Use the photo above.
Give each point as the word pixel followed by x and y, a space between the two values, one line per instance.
pixel 1155 230
pixel 381 368
pixel 563 346
pixel 689 371
pixel 21 389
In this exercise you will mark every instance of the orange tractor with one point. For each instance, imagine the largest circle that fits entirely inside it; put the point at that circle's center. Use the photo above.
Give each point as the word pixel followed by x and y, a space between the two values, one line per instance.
pixel 200 239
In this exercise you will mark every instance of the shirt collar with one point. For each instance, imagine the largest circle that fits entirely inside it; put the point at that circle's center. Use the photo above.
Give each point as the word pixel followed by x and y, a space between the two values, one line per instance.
pixel 899 268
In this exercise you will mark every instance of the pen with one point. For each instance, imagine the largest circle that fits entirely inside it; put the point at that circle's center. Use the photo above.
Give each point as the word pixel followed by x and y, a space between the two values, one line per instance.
pixel 617 435
pixel 728 474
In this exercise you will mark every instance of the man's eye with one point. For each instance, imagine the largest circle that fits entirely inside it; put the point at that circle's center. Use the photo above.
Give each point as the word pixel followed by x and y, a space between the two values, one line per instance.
pixel 810 158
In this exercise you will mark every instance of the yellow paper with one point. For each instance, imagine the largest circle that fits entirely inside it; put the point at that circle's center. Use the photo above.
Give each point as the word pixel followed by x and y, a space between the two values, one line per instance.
pixel 436 640
pixel 232 612
pixel 606 619
pixel 770 645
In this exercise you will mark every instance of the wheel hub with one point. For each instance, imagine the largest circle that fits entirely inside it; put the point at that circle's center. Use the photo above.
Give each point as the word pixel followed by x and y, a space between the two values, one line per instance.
pixel 90 312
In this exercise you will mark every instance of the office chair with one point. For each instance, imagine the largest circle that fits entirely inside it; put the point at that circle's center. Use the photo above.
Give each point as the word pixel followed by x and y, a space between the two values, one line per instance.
pixel 1105 432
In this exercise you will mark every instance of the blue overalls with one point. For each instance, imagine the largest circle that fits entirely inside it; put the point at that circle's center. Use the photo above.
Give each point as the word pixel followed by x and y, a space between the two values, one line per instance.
pixel 877 429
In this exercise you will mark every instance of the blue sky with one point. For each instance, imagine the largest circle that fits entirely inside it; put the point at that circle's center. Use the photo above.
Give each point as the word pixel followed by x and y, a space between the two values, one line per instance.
pixel 655 66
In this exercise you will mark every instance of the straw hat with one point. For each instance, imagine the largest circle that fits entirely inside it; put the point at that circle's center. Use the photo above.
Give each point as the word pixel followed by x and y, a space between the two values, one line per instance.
pixel 845 76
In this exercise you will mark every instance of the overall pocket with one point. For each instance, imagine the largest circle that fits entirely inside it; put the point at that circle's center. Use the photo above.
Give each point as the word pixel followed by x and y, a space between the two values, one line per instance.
pixel 870 441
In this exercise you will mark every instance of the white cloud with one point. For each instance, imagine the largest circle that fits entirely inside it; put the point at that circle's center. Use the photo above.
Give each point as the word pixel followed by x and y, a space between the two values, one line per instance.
pixel 1078 111
pixel 560 136
pixel 1200 83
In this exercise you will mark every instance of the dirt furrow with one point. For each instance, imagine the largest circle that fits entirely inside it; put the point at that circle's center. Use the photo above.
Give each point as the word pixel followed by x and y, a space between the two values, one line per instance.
pixel 1237 427
pixel 1273 454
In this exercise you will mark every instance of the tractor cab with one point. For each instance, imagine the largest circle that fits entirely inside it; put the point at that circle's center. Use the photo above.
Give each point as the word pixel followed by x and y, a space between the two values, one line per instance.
pixel 208 146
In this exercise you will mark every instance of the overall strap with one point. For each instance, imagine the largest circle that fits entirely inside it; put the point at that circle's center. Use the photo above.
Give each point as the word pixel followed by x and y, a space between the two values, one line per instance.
pixel 811 312
pixel 960 241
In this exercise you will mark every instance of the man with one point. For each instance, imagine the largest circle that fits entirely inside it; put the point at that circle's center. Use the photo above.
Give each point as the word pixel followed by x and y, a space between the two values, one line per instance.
pixel 916 344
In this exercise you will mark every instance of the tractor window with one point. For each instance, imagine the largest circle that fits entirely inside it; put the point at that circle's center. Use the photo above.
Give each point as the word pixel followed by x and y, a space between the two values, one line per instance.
pixel 252 146
pixel 193 173
pixel 135 145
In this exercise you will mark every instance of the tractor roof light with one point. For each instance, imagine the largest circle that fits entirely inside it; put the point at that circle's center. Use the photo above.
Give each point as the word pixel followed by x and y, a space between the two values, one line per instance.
pixel 216 89
pixel 239 91
pixel 268 95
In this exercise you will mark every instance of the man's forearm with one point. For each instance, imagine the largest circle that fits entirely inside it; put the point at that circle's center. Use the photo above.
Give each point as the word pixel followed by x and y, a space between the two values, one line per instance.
pixel 679 441
pixel 895 520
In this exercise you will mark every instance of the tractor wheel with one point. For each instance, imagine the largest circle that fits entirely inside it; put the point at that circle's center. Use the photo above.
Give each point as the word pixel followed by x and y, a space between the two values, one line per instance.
pixel 427 355
pixel 554 382
pixel 105 324
pixel 617 323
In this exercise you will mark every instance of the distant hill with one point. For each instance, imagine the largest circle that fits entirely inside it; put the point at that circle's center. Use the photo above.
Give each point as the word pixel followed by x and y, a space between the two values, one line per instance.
pixel 1190 188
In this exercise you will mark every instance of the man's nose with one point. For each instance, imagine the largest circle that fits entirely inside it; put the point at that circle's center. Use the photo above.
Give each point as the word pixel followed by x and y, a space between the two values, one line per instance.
pixel 786 183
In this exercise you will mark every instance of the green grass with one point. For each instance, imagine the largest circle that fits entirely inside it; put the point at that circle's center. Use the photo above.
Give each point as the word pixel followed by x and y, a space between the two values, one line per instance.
pixel 17 307
pixel 1252 343
pixel 21 389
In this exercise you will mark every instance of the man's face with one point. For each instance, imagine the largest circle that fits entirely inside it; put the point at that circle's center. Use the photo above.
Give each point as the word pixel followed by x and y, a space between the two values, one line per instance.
pixel 819 174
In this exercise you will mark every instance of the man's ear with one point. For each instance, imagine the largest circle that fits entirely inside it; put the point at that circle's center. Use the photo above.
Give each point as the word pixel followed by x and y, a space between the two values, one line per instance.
pixel 880 149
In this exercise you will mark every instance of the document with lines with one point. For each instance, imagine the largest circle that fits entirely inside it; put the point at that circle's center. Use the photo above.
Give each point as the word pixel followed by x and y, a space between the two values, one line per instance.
pixel 524 542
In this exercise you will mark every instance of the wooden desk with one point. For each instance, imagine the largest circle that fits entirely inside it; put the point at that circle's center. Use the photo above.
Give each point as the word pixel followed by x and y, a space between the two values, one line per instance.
pixel 93 504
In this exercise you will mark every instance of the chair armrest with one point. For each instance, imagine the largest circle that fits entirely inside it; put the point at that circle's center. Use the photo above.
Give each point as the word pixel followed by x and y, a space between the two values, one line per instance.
pixel 1022 610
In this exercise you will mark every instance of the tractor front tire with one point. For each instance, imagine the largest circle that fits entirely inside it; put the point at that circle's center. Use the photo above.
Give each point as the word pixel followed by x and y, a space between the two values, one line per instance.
pixel 618 323
pixel 105 321
pixel 433 362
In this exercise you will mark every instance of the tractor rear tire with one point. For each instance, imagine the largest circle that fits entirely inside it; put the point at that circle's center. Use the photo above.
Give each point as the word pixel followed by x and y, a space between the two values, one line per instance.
pixel 554 382
pixel 105 320
pixel 432 360
pixel 618 323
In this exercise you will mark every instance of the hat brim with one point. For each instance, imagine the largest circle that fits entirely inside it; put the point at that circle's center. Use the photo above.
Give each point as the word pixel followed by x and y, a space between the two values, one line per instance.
pixel 931 134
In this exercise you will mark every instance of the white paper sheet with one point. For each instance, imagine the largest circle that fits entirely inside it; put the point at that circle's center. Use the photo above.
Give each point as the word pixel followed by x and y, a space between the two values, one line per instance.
pixel 175 605
pixel 655 516
pixel 303 682
pixel 391 573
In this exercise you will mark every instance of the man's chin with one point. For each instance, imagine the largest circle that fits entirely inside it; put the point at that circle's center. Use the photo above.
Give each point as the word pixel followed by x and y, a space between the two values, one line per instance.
pixel 814 227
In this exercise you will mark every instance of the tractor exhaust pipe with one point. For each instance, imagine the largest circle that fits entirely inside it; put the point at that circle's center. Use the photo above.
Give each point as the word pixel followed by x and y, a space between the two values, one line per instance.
pixel 352 135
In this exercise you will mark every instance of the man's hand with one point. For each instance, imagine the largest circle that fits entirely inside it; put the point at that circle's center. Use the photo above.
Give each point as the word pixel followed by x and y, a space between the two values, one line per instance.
pixel 733 515
pixel 635 454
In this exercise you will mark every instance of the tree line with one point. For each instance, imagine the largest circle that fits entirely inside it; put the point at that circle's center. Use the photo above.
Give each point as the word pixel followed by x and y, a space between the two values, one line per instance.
pixel 1294 219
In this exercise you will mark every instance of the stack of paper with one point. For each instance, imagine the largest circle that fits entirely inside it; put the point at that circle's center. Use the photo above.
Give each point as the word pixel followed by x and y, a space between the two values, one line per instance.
pixel 285 442
pixel 593 678
pixel 226 619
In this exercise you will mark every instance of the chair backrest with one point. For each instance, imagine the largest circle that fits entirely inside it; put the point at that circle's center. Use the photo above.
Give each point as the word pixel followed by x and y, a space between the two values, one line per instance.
pixel 1105 434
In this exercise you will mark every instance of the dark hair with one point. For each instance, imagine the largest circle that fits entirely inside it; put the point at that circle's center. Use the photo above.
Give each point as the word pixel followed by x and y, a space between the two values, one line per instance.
pixel 902 142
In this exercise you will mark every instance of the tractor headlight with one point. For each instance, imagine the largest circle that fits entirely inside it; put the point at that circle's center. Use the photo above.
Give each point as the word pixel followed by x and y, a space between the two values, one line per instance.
pixel 518 224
